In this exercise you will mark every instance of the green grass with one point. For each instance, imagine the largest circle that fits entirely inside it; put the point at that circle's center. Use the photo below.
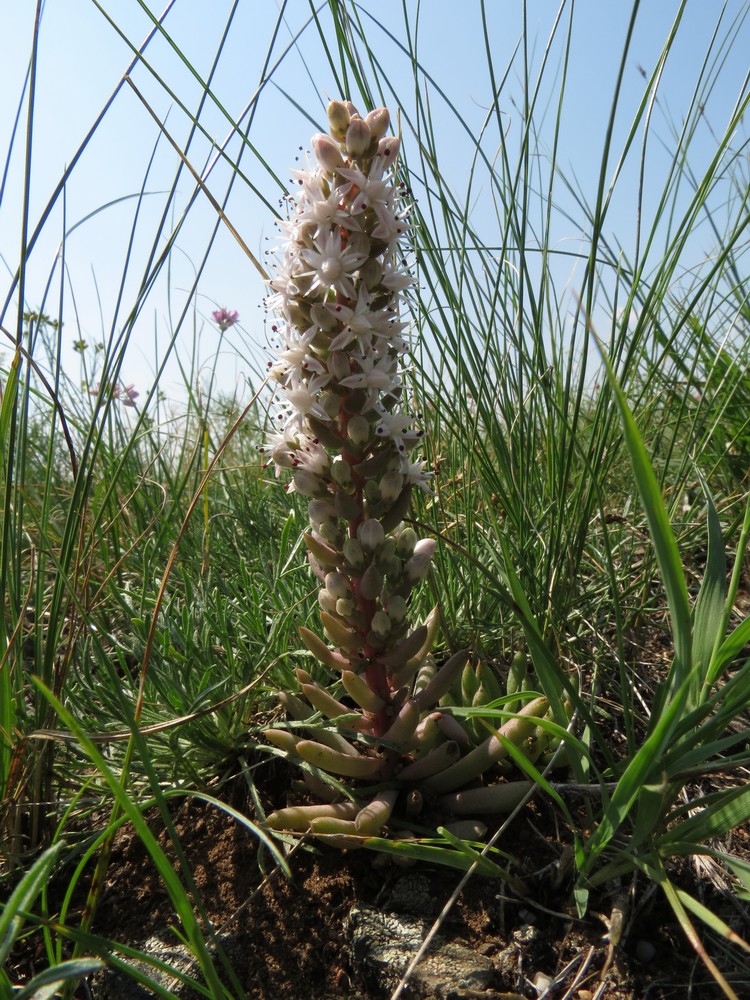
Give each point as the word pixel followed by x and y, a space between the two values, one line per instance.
pixel 591 444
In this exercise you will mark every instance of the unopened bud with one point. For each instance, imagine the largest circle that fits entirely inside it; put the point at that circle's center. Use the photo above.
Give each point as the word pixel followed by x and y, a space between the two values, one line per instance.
pixel 338 365
pixel 419 564
pixel 319 511
pixel 358 137
pixel 308 484
pixel 337 585
pixel 338 117
pixel 323 317
pixel 378 120
pixel 381 624
pixel 397 608
pixel 353 553
pixel 372 492
pixel 353 113
pixel 385 554
pixel 371 273
pixel 405 542
pixel 330 532
pixel 371 582
pixel 345 607
pixel 358 429
pixel 327 601
pixel 331 405
pixel 370 533
pixel 327 153
pixel 341 472
pixel 390 487
pixel 388 148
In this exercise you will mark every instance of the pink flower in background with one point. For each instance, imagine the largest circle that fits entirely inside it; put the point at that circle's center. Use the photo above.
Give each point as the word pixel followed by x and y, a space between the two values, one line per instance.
pixel 126 393
pixel 224 318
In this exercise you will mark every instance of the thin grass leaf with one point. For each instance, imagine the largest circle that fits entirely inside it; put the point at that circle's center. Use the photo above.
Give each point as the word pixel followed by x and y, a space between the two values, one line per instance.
pixel 23 897
pixel 484 866
pixel 640 771
pixel 691 934
pixel 709 605
pixel 416 850
pixel 730 810
pixel 665 546
pixel 711 920
pixel 47 983
pixel 171 881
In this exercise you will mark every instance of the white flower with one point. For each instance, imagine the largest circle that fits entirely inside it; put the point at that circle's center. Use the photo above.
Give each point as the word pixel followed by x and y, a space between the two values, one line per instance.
pixel 358 322
pixel 321 211
pixel 396 278
pixel 303 394
pixel 379 375
pixel 397 426
pixel 371 191
pixel 416 476
pixel 331 265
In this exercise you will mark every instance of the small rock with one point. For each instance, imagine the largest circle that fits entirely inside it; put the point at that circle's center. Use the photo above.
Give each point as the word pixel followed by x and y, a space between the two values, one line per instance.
pixel 412 894
pixel 383 945
pixel 542 982
pixel 645 951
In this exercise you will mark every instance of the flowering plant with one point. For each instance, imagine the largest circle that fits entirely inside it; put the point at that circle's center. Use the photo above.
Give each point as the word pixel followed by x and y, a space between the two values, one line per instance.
pixel 127 394
pixel 345 439
pixel 224 318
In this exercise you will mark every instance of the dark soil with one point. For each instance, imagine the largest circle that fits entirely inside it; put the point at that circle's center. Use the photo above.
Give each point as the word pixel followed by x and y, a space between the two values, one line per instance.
pixel 287 939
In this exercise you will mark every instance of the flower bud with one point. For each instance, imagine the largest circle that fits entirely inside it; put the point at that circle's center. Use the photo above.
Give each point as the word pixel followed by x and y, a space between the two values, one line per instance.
pixel 405 543
pixel 371 273
pixel 390 487
pixel 372 492
pixel 327 152
pixel 327 602
pixel 331 405
pixel 353 553
pixel 397 608
pixel 347 506
pixel 341 472
pixel 419 564
pixel 323 317
pixel 371 582
pixel 331 532
pixel 388 148
pixel 370 533
pixel 353 113
pixel 358 137
pixel 385 554
pixel 358 429
pixel 381 624
pixel 337 585
pixel 338 365
pixel 338 118
pixel 308 484
pixel 378 120
pixel 319 511
pixel 345 607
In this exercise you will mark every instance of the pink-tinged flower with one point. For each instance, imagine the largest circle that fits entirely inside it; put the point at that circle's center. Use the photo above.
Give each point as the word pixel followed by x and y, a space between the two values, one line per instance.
pixel 224 318
pixel 126 393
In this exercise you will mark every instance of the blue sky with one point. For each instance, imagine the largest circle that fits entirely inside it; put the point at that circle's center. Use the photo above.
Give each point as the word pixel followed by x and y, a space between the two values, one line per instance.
pixel 82 59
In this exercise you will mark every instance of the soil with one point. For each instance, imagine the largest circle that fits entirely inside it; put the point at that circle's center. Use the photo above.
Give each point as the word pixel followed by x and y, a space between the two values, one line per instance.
pixel 288 939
